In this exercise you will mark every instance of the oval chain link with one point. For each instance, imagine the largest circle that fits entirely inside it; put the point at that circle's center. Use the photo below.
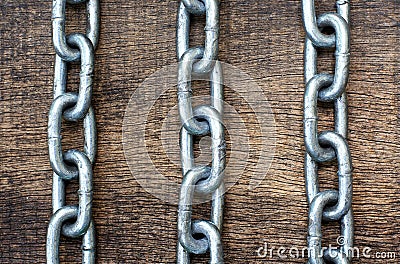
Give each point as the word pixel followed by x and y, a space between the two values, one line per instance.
pixel 210 53
pixel 73 220
pixel 202 120
pixel 329 205
pixel 61 46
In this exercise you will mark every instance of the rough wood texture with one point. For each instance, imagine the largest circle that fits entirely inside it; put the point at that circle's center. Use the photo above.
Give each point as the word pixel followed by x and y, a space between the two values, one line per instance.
pixel 265 38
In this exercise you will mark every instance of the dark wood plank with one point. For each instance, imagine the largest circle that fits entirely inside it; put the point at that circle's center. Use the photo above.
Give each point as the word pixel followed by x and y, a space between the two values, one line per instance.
pixel 265 39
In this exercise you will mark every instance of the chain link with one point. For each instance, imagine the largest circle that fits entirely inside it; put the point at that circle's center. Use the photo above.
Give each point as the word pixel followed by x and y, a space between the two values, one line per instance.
pixel 329 205
pixel 205 119
pixel 73 221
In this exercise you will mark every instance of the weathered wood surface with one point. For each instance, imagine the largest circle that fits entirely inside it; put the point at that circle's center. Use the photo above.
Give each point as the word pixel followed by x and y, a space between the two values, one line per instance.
pixel 265 38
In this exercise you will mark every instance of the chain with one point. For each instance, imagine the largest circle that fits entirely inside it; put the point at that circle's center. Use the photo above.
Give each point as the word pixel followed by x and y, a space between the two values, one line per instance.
pixel 329 205
pixel 72 220
pixel 202 120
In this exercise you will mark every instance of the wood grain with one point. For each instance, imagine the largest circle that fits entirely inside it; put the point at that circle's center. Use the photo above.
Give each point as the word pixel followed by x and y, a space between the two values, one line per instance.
pixel 265 39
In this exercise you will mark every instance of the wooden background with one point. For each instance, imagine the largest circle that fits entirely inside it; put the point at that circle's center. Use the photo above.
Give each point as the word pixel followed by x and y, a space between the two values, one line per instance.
pixel 265 38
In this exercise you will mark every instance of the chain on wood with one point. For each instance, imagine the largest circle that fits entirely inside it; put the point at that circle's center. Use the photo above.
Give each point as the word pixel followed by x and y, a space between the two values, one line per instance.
pixel 204 119
pixel 329 205
pixel 73 220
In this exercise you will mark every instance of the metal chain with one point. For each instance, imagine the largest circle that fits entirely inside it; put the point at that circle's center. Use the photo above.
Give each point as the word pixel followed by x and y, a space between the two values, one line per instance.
pixel 73 220
pixel 329 205
pixel 202 120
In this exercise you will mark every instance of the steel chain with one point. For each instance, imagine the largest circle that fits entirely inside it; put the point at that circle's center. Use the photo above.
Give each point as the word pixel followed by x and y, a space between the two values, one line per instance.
pixel 329 205
pixel 202 120
pixel 73 221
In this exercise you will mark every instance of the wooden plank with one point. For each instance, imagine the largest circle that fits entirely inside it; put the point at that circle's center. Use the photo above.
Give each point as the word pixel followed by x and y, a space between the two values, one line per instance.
pixel 265 39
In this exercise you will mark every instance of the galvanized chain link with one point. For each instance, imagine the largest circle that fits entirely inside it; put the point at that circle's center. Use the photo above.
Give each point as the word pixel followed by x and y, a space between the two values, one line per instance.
pixel 329 205
pixel 73 220
pixel 202 120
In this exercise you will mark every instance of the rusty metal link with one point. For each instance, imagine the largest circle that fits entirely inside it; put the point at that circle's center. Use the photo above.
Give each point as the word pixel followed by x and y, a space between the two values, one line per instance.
pixel 72 220
pixel 204 181
pixel 329 205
